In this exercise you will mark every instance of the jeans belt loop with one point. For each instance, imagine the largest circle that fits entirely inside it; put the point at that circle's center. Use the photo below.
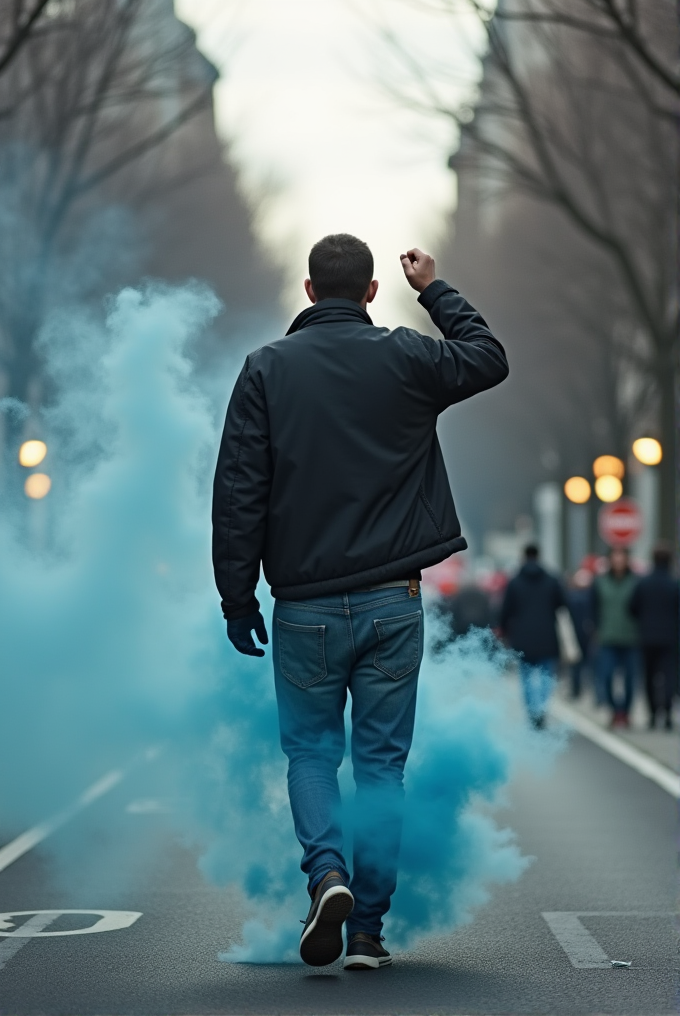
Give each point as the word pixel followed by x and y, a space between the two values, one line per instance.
pixel 413 587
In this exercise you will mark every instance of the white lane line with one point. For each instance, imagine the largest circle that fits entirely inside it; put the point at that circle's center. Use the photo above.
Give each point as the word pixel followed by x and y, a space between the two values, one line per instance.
pixel 109 920
pixel 623 750
pixel 26 841
pixel 33 926
pixel 148 806
pixel 584 952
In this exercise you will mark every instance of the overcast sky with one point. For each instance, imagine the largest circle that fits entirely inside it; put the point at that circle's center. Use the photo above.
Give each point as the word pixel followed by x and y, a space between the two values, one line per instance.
pixel 301 103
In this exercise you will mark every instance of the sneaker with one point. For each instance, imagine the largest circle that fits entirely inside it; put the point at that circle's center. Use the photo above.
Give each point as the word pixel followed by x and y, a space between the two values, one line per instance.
pixel 366 952
pixel 321 941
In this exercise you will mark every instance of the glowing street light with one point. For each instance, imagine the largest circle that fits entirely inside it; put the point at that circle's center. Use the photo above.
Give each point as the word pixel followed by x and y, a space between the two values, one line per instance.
pixel 577 489
pixel 32 453
pixel 648 451
pixel 608 488
pixel 37 486
pixel 609 465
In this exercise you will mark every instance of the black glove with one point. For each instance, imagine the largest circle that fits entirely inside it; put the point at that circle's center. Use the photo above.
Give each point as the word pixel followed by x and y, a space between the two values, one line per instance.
pixel 238 632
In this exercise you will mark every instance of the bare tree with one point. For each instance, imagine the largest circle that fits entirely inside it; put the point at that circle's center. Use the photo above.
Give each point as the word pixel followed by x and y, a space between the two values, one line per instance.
pixel 88 104
pixel 586 121
pixel 19 19
pixel 635 31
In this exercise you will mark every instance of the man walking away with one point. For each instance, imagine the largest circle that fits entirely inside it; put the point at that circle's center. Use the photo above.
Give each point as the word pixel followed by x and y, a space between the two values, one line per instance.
pixel 331 475
pixel 617 634
pixel 655 604
pixel 529 625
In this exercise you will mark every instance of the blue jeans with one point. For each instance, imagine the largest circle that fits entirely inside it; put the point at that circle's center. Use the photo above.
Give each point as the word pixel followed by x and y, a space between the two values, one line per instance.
pixel 609 660
pixel 538 680
pixel 370 644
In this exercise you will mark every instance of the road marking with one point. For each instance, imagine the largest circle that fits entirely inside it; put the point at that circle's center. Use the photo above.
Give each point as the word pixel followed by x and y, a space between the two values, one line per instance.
pixel 583 950
pixel 109 920
pixel 579 945
pixel 33 926
pixel 26 841
pixel 623 750
pixel 147 807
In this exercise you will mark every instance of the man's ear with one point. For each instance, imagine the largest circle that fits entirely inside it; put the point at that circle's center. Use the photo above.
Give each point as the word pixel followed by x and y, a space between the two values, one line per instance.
pixel 309 290
pixel 371 291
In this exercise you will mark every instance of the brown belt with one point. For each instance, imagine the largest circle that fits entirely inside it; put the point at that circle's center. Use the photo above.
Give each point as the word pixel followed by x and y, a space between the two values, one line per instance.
pixel 412 584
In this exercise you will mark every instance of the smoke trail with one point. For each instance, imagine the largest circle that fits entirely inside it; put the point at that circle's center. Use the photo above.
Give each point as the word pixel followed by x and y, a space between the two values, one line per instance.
pixel 470 739
pixel 114 641
pixel 101 641
pixel 14 408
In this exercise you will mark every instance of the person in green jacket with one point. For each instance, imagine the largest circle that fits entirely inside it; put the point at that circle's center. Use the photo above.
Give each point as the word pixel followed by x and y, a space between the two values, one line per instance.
pixel 617 634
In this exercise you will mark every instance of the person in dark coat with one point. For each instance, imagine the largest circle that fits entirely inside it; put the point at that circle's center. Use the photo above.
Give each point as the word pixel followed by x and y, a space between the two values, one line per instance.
pixel 470 609
pixel 655 604
pixel 528 623
pixel 331 478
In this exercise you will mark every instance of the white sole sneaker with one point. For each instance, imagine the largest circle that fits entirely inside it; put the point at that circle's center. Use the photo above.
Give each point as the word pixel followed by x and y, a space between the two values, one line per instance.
pixel 321 941
pixel 366 962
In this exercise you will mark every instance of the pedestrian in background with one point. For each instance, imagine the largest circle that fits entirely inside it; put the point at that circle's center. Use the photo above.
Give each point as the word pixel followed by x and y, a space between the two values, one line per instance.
pixel 617 635
pixel 528 623
pixel 655 603
pixel 580 603
pixel 471 609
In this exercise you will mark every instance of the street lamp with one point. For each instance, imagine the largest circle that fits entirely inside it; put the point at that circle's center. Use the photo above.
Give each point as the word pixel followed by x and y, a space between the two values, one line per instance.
pixel 609 465
pixel 648 451
pixel 608 487
pixel 37 486
pixel 577 489
pixel 32 453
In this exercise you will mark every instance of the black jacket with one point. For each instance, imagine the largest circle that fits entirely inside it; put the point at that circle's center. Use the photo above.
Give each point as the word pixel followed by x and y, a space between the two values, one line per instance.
pixel 528 613
pixel 330 471
pixel 655 603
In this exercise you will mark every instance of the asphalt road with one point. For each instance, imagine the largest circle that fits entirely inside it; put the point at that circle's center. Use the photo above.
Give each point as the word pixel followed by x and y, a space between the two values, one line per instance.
pixel 604 839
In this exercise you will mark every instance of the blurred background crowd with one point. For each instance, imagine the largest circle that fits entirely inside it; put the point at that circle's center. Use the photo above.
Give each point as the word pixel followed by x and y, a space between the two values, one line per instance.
pixel 609 630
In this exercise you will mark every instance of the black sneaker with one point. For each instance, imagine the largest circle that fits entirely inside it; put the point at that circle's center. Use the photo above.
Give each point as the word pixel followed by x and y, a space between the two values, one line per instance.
pixel 321 941
pixel 366 952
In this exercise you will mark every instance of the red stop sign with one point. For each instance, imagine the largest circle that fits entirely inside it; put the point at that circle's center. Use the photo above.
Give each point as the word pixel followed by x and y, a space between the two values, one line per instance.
pixel 620 523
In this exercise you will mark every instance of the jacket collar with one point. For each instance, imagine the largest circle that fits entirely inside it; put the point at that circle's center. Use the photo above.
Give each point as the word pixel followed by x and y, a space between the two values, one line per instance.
pixel 328 312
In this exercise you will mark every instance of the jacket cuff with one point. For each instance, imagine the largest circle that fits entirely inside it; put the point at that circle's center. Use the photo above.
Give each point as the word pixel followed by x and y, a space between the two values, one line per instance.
pixel 431 293
pixel 233 613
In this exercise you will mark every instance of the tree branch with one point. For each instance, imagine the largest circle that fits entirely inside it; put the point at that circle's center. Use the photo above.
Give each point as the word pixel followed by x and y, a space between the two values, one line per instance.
pixel 146 144
pixel 22 31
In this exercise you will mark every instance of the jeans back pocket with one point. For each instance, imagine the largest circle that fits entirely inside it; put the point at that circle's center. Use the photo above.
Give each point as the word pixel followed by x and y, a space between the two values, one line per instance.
pixel 399 644
pixel 301 652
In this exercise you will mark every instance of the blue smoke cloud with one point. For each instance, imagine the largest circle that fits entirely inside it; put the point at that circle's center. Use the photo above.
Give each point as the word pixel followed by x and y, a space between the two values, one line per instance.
pixel 113 641
pixel 14 408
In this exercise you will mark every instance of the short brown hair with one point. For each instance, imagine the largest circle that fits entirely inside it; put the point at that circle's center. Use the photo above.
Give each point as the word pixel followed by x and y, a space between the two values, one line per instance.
pixel 340 267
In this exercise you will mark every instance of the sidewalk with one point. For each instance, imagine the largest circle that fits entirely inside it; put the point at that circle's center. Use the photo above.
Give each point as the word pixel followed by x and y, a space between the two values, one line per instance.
pixel 662 745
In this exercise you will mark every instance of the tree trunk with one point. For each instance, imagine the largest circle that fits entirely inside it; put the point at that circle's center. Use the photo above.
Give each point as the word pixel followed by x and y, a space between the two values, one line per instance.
pixel 668 520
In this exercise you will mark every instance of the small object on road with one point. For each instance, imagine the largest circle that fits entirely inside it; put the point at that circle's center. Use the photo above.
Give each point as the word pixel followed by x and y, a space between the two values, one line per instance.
pixel 620 963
